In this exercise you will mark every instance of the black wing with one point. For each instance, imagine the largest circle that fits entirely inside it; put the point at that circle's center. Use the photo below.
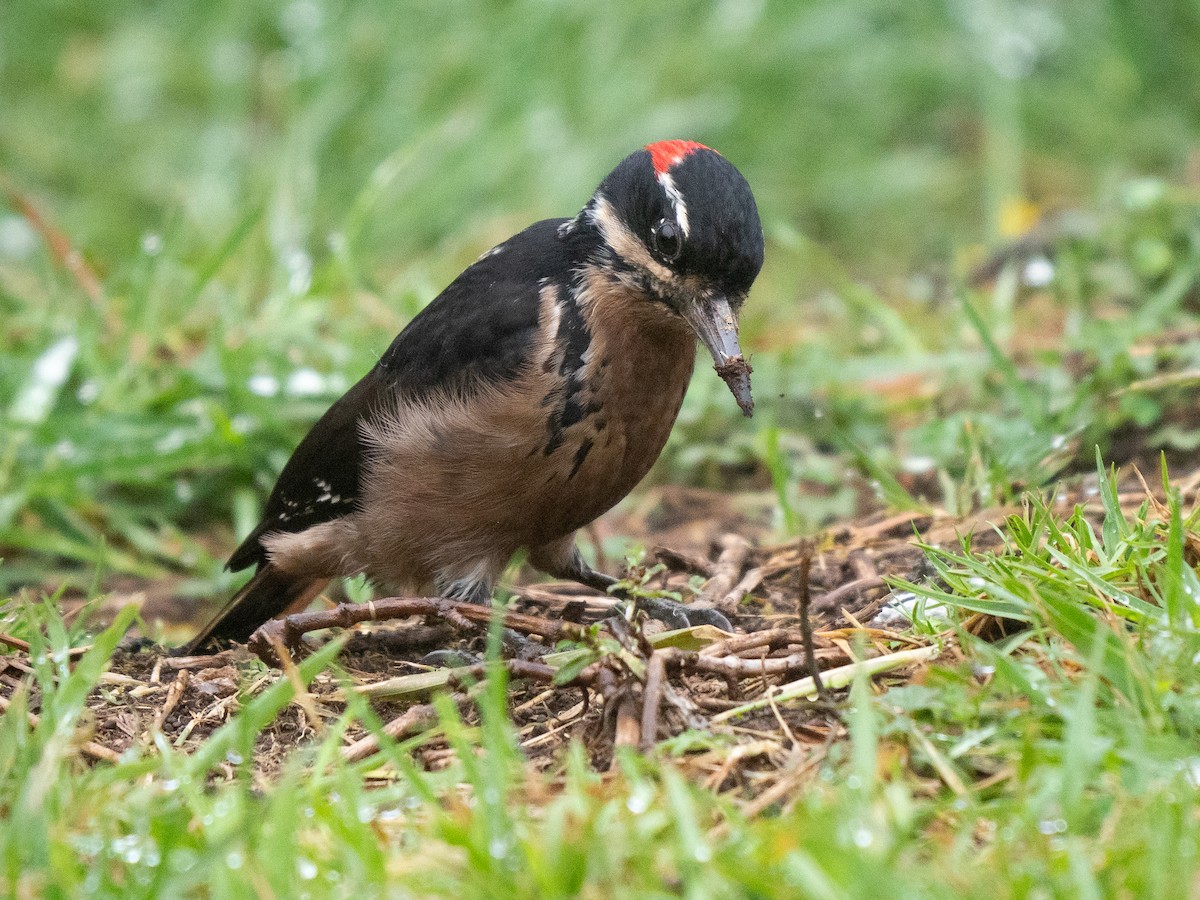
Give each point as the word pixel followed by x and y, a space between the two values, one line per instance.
pixel 479 330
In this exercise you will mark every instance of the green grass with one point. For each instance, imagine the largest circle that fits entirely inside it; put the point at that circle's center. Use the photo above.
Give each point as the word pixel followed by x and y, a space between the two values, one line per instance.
pixel 267 192
pixel 1061 759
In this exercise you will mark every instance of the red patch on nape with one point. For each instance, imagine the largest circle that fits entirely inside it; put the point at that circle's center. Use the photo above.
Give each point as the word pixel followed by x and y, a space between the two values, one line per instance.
pixel 666 153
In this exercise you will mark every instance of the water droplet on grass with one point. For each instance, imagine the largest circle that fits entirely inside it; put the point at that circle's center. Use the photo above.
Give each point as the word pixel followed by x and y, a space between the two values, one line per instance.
pixel 306 868
pixel 639 800
pixel 306 382
pixel 1052 826
pixel 299 267
pixel 171 441
pixel 263 385
pixel 88 391
pixel 36 398
pixel 17 239
pixel 1038 272
pixel 499 846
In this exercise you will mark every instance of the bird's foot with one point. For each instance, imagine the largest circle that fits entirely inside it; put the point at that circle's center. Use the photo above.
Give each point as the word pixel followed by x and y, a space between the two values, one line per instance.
pixel 450 659
pixel 674 615
pixel 678 615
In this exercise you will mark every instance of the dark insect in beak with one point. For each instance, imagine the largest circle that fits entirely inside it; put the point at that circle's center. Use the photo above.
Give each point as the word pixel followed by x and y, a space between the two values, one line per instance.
pixel 715 324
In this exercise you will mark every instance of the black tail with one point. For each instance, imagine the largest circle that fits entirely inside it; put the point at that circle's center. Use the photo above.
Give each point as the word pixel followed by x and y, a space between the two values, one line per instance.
pixel 266 595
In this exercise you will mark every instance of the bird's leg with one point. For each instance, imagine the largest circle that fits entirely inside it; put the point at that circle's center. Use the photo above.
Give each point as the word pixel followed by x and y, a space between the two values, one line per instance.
pixel 563 560
pixel 478 590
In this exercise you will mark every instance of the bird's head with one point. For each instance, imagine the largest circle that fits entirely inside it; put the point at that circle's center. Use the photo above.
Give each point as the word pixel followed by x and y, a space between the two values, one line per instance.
pixel 677 221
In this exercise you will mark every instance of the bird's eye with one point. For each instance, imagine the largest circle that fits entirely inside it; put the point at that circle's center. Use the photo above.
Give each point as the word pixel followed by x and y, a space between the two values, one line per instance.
pixel 668 240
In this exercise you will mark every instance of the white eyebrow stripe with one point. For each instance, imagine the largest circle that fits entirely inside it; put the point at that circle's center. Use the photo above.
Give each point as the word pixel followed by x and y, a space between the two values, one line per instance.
pixel 676 198
pixel 626 244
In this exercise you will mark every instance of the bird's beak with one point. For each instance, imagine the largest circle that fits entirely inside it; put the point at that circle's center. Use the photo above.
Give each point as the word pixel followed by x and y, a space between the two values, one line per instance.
pixel 716 325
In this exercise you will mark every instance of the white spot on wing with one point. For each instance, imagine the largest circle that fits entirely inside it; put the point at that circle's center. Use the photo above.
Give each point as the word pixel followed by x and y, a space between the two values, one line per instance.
pixel 495 251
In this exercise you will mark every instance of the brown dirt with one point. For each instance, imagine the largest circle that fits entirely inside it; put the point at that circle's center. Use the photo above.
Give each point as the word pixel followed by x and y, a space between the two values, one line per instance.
pixel 719 559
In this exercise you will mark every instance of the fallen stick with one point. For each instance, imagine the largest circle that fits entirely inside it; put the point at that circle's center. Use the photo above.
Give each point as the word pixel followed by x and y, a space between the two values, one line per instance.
pixel 412 720
pixel 750 668
pixel 677 559
pixel 730 562
pixel 290 629
pixel 174 693
pixel 805 622
pixel 628 727
pixel 834 678
pixel 839 595
pixel 656 676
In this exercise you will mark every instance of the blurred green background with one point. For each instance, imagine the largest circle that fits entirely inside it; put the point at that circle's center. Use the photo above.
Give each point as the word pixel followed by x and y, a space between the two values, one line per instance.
pixel 266 192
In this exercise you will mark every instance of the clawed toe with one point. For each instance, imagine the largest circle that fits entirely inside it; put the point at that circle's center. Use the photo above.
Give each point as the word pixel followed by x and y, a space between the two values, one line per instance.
pixel 677 615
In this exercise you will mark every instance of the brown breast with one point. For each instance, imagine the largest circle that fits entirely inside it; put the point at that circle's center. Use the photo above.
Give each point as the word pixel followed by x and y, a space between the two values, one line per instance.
pixel 638 366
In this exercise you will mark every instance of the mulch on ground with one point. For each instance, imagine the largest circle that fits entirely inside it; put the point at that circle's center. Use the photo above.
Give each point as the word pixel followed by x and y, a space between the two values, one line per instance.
pixel 635 694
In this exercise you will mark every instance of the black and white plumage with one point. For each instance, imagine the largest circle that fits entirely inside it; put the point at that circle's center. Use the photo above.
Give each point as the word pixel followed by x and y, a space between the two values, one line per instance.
pixel 527 399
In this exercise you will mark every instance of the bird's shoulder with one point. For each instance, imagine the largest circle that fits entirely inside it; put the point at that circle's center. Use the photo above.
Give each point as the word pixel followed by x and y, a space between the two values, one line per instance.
pixel 480 330
pixel 482 327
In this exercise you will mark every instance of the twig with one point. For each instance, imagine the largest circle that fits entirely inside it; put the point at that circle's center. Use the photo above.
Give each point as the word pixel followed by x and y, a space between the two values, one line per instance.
pixel 414 719
pixel 730 562
pixel 532 702
pixel 763 666
pixel 290 628
pixel 60 249
pixel 784 788
pixel 174 692
pixel 782 724
pixel 733 599
pixel 204 661
pixel 628 730
pixel 656 674
pixel 940 764
pixel 677 559
pixel 15 643
pixel 806 550
pixel 565 721
pixel 772 638
pixel 835 598
pixel 302 697
pixel 835 678
pixel 905 521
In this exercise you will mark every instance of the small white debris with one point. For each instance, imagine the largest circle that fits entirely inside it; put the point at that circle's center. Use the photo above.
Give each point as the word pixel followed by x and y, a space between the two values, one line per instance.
pixel 918 465
pixel 901 610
